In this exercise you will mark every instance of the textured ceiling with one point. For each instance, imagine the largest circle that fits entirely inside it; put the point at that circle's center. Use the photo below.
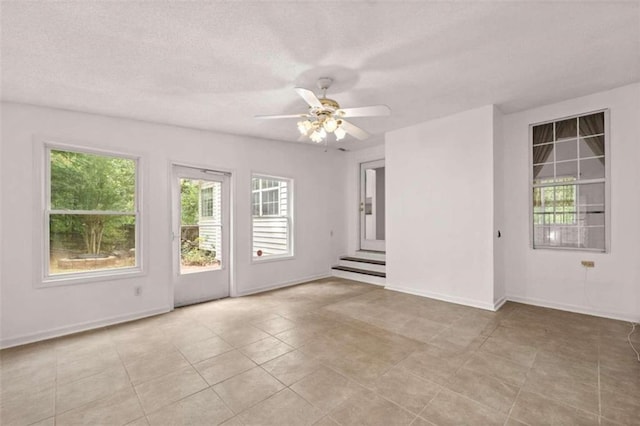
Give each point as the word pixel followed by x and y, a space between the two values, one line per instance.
pixel 214 65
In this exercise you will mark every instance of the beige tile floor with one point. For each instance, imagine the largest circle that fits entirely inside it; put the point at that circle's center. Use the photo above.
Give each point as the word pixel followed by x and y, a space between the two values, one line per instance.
pixel 330 352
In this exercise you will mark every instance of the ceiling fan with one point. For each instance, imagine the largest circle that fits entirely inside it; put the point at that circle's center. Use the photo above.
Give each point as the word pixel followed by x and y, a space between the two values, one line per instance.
pixel 326 116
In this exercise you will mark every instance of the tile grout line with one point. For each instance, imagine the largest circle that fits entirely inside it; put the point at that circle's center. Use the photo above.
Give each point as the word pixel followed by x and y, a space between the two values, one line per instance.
pixel 55 392
pixel 599 387
pixel 358 384
pixel 115 346
pixel 520 388
pixel 203 379
pixel 430 401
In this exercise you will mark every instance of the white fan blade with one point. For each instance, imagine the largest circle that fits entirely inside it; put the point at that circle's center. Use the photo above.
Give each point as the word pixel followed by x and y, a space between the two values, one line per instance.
pixel 309 97
pixel 303 138
pixel 354 130
pixel 269 117
pixel 366 111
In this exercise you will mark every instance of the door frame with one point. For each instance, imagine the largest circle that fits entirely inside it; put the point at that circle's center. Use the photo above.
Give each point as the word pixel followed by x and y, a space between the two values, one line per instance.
pixel 363 243
pixel 229 222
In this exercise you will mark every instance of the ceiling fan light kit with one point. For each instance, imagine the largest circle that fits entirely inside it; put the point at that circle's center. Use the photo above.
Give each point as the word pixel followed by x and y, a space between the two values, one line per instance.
pixel 325 115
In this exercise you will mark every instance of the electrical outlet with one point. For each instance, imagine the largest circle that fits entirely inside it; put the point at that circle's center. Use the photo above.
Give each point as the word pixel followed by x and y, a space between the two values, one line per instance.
pixel 137 290
pixel 588 263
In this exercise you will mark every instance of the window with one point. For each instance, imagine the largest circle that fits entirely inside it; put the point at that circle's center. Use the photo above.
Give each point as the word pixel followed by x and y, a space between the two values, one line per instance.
pixel 266 196
pixel 206 202
pixel 271 216
pixel 91 212
pixel 569 183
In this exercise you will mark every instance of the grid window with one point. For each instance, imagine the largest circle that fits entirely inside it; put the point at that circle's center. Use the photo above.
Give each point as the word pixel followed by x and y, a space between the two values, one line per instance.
pixel 271 217
pixel 206 202
pixel 569 183
pixel 91 213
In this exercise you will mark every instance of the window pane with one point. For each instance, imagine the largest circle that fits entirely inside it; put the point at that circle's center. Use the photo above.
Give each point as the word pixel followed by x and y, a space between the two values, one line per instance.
pixel 255 202
pixel 537 200
pixel 567 170
pixel 543 153
pixel 271 226
pixel 206 202
pixel 592 147
pixel 269 183
pixel 189 195
pixel 566 150
pixel 592 168
pixel 81 181
pixel 84 243
pixel 542 133
pixel 592 219
pixel 201 232
pixel 543 173
pixel 594 238
pixel 570 213
pixel 567 129
pixel 592 124
pixel 591 197
pixel 541 236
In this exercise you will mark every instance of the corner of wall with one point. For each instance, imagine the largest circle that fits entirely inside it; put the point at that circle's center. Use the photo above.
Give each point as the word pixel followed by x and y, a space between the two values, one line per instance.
pixel 499 287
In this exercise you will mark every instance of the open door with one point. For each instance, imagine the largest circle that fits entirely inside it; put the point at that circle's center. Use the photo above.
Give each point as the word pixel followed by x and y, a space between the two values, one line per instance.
pixel 372 206
pixel 200 235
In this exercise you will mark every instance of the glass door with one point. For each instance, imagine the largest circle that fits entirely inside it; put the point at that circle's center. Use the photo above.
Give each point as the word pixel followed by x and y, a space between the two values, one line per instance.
pixel 200 235
pixel 372 206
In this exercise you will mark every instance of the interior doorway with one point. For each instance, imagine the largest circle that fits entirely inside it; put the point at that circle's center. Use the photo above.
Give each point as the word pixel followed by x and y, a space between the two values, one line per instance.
pixel 372 206
pixel 201 219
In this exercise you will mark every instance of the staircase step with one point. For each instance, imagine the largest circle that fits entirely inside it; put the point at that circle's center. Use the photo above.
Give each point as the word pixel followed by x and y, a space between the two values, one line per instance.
pixel 360 271
pixel 363 260
pixel 370 254
pixel 362 265
pixel 363 278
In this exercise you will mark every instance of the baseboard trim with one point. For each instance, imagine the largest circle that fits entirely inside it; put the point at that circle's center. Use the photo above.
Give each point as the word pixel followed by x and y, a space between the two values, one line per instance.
pixel 282 285
pixel 498 303
pixel 444 297
pixel 621 316
pixel 76 328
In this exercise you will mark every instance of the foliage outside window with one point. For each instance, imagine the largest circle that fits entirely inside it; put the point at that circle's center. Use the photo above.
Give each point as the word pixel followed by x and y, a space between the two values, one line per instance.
pixel 200 225
pixel 92 214
pixel 271 217
pixel 568 186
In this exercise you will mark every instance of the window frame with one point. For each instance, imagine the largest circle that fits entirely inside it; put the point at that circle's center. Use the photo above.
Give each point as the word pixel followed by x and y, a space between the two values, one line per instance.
pixel 260 192
pixel 606 181
pixel 45 279
pixel 202 204
pixel 290 217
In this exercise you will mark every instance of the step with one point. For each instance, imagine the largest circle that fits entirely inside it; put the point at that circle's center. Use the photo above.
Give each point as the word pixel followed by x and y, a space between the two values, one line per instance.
pixel 355 276
pixel 370 254
pixel 365 264
pixel 364 260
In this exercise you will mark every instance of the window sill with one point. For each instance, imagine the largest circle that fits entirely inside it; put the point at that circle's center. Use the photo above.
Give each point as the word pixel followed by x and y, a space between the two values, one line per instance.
pixel 571 249
pixel 86 278
pixel 269 259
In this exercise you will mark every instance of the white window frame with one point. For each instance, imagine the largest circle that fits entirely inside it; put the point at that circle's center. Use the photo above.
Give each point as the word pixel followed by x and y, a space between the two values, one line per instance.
pixel 261 192
pixel 71 278
pixel 606 181
pixel 290 217
pixel 201 207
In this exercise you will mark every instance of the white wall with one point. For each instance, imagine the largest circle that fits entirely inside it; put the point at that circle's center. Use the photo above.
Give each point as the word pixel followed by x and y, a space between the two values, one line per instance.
pixel 440 204
pixel 557 279
pixel 30 313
